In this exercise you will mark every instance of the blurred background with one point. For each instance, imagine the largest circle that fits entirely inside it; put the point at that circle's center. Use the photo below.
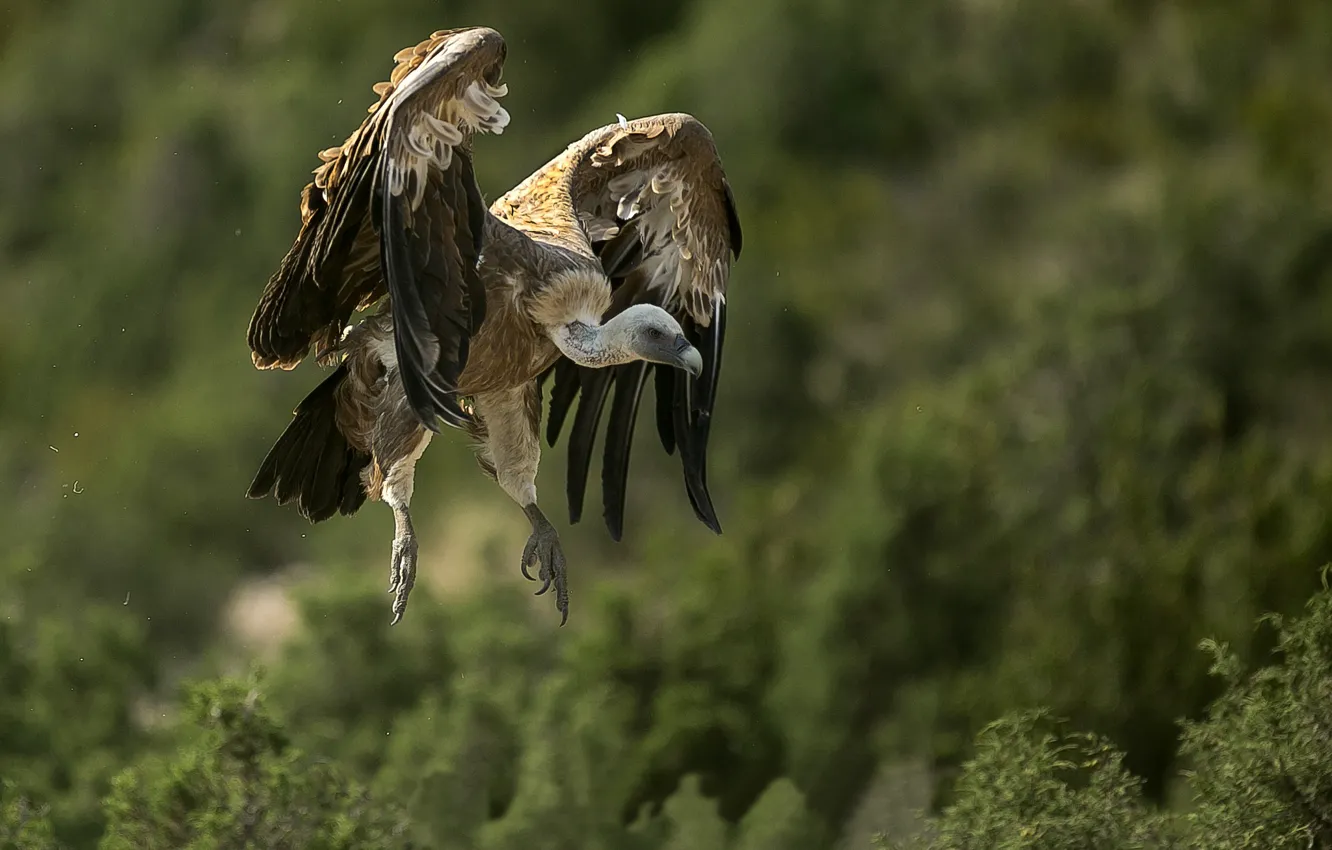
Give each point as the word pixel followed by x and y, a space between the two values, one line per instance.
pixel 1026 393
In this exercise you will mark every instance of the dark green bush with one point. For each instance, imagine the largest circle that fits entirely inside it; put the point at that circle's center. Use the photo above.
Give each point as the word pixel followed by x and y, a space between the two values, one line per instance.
pixel 1260 772
pixel 236 781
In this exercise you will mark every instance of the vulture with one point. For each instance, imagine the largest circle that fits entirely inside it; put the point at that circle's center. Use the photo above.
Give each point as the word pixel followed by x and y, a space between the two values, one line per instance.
pixel 606 267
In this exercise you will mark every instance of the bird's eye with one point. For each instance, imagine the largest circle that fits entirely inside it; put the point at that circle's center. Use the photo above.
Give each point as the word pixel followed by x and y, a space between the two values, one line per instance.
pixel 655 333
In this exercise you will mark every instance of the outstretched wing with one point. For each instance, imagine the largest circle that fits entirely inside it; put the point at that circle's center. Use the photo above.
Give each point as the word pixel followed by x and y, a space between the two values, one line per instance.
pixel 652 200
pixel 396 209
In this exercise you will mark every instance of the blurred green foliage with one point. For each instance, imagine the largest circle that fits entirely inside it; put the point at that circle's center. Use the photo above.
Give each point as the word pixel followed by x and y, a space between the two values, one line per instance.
pixel 1030 786
pixel 239 783
pixel 23 824
pixel 1258 771
pixel 1024 397
pixel 1259 762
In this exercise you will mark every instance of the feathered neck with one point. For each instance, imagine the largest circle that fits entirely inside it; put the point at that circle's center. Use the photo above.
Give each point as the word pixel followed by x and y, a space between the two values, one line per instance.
pixel 588 343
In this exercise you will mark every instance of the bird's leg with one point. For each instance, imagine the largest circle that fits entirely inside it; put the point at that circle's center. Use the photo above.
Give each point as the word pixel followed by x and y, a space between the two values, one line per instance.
pixel 397 493
pixel 402 570
pixel 512 448
pixel 544 547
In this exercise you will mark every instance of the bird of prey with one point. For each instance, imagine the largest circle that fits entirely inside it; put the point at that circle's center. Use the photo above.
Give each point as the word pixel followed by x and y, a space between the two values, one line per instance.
pixel 607 265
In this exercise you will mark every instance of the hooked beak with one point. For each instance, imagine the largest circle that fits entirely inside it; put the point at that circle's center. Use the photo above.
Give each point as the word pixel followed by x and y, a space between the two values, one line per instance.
pixel 687 357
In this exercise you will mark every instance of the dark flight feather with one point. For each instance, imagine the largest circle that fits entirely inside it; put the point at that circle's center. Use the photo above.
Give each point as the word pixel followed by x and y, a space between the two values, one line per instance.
pixel 621 253
pixel 568 379
pixel 629 380
pixel 695 399
pixel 710 342
pixel 693 446
pixel 594 384
pixel 430 267
pixel 312 463
pixel 664 390
pixel 733 220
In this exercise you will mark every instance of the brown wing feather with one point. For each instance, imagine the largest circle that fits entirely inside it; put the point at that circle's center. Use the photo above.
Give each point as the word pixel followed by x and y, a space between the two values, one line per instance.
pixel 395 210
pixel 649 198
pixel 662 172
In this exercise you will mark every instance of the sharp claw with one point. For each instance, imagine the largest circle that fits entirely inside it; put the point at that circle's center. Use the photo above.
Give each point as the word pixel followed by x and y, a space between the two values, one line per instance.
pixel 529 555
pixel 399 606
pixel 402 576
pixel 562 591
pixel 544 547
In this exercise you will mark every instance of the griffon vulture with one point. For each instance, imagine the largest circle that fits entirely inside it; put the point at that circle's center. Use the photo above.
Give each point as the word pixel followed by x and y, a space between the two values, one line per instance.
pixel 605 266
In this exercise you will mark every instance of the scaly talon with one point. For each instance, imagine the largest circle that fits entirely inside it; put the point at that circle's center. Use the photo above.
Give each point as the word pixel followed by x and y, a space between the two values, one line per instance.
pixel 529 556
pixel 544 547
pixel 402 570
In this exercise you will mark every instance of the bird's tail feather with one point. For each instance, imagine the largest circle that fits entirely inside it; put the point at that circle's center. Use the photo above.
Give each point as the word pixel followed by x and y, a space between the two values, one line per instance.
pixel 312 463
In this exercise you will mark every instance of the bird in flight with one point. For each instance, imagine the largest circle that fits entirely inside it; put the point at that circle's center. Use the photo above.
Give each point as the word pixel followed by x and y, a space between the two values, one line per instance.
pixel 606 266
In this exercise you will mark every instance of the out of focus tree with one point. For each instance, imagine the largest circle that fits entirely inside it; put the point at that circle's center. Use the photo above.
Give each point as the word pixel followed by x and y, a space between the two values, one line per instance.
pixel 1259 768
pixel 237 782
pixel 73 699
pixel 24 824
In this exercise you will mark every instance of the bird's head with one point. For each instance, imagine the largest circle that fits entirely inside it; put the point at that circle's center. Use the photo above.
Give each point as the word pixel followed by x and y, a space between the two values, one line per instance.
pixel 647 332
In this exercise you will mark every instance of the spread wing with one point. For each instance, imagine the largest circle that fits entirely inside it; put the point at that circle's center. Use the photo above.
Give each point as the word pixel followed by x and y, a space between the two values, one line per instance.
pixel 396 210
pixel 653 203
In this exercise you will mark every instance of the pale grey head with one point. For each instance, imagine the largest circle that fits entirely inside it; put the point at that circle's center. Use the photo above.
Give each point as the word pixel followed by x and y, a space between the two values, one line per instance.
pixel 641 332
pixel 647 332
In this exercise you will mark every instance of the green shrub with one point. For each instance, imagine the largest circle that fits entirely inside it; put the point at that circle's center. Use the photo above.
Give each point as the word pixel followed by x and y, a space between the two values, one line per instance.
pixel 236 781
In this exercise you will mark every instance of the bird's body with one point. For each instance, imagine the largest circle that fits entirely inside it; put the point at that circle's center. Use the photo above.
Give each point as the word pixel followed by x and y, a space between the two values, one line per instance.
pixel 610 260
